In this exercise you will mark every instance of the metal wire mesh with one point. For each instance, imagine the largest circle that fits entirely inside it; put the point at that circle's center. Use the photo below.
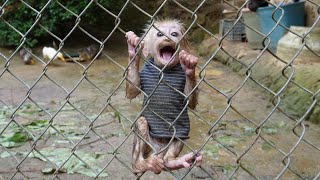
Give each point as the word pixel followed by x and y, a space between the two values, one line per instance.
pixel 101 125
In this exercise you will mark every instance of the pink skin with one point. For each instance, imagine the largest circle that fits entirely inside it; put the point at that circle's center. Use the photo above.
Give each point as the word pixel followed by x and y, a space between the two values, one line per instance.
pixel 184 161
pixel 132 41
pixel 188 63
pixel 187 60
pixel 155 164
pixel 171 37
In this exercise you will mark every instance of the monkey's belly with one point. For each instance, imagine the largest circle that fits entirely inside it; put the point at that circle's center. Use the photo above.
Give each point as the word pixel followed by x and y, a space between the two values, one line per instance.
pixel 165 105
pixel 159 123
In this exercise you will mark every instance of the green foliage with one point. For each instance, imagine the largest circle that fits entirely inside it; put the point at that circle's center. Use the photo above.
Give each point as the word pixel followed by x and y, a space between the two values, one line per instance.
pixel 266 147
pixel 53 17
pixel 73 165
pixel 13 139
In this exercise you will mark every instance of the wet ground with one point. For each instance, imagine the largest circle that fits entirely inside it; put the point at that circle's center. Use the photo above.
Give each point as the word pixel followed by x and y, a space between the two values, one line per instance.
pixel 92 116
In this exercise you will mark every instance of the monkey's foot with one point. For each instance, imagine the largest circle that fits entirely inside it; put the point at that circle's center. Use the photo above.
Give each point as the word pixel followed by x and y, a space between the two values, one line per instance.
pixel 152 163
pixel 184 161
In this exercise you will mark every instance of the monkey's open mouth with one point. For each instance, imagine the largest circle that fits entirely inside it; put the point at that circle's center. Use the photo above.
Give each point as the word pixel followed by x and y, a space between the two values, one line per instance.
pixel 167 52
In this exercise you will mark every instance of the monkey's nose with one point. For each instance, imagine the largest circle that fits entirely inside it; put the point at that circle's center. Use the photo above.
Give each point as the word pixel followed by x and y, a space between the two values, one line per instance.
pixel 166 39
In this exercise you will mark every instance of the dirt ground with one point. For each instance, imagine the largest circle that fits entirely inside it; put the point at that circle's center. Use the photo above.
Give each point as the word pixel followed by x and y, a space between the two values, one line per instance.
pixel 99 118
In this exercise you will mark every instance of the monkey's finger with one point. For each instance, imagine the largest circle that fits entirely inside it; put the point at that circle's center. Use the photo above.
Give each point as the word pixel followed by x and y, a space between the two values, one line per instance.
pixel 142 45
pixel 182 54
pixel 185 164
pixel 158 168
pixel 129 33
pixel 136 40
pixel 187 61
pixel 132 39
pixel 193 62
pixel 158 163
pixel 160 160
pixel 199 159
pixel 182 60
pixel 161 166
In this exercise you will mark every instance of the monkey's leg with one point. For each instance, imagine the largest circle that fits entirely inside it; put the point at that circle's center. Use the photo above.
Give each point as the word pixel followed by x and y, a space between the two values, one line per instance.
pixel 142 157
pixel 173 162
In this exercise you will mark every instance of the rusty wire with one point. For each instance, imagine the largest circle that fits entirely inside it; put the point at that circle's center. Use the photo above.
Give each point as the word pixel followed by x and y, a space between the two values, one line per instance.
pixel 288 71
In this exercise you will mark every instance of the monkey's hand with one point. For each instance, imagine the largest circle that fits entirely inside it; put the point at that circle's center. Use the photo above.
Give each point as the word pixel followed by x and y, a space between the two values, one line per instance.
pixel 188 63
pixel 133 42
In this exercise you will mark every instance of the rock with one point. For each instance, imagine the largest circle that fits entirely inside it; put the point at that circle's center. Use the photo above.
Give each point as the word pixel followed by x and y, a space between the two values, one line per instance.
pixel 290 44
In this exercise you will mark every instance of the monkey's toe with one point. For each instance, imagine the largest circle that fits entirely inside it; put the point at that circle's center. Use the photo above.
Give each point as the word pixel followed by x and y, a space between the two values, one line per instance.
pixel 152 163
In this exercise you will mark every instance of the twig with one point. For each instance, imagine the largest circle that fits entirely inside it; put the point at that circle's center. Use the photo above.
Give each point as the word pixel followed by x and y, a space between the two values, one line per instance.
pixel 90 142
pixel 122 125
pixel 98 126
pixel 13 171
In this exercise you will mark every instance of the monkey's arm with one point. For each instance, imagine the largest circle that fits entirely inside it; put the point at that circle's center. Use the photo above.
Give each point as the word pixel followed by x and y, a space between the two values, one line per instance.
pixel 189 63
pixel 133 77
pixel 193 98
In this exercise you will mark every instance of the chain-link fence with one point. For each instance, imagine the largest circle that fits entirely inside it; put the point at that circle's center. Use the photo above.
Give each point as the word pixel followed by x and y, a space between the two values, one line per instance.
pixel 71 120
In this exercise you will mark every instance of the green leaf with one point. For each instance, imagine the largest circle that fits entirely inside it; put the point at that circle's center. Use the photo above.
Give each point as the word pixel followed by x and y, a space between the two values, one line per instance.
pixel 6 154
pixel 226 90
pixel 48 170
pixel 14 139
pixel 270 130
pixel 18 137
pixel 117 116
pixel 73 165
pixel 10 144
pixel 211 150
pixel 61 141
pixel 265 146
pixel 227 140
pixel 248 130
pixel 37 124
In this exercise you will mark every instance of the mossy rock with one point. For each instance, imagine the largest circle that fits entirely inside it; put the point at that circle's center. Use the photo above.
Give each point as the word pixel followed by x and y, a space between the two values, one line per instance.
pixel 294 100
pixel 207 47
pixel 314 116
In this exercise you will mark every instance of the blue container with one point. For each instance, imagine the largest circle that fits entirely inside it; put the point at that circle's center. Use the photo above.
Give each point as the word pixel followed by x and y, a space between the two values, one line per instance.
pixel 293 15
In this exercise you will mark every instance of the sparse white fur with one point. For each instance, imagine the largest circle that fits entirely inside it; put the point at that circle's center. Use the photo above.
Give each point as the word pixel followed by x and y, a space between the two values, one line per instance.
pixel 50 53
pixel 161 43
pixel 148 40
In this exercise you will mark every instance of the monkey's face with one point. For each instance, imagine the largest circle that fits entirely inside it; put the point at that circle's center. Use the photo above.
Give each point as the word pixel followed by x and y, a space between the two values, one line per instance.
pixel 165 45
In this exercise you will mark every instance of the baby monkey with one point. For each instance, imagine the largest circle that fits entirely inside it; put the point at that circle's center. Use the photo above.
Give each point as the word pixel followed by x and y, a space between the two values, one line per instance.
pixel 164 104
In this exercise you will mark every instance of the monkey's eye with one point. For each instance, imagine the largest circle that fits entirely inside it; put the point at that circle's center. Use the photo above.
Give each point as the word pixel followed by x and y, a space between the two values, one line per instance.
pixel 174 34
pixel 159 34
